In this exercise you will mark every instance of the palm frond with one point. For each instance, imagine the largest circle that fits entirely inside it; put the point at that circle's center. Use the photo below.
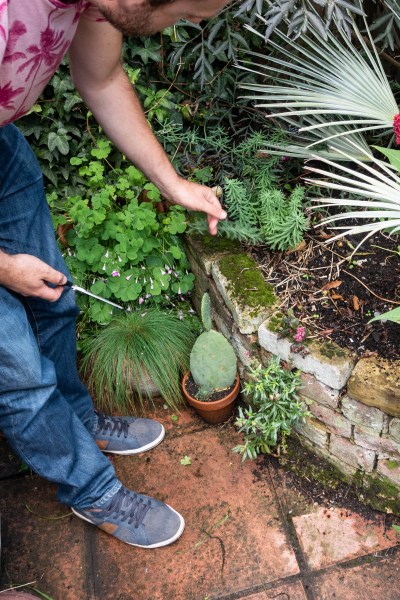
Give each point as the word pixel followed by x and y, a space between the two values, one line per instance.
pixel 339 88
pixel 379 186
pixel 315 139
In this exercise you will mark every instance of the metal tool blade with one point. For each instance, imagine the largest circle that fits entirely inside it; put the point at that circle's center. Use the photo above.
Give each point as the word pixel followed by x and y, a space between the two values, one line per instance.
pixel 83 291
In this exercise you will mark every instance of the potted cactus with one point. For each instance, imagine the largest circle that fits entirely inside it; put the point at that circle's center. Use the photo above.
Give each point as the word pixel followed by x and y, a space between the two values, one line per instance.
pixel 212 384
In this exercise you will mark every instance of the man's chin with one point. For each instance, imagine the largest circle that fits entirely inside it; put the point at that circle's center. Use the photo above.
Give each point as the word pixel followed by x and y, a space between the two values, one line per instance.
pixel 135 24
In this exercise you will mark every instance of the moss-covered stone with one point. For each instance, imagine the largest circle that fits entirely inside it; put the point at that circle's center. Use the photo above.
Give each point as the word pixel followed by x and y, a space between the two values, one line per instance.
pixel 392 464
pixel 246 284
pixel 305 464
pixel 380 493
pixel 372 489
pixel 330 349
pixel 205 250
pixel 219 244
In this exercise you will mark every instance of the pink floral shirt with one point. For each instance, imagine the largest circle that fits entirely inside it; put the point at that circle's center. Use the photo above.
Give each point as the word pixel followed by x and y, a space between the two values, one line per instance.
pixel 34 37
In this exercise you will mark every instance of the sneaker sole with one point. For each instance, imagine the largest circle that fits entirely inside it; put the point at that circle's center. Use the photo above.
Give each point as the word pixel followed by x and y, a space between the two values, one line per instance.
pixel 152 444
pixel 158 545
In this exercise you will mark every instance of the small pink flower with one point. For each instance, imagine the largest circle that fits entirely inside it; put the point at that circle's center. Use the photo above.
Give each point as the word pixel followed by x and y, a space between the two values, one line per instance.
pixel 396 125
pixel 300 334
pixel 141 300
pixel 115 274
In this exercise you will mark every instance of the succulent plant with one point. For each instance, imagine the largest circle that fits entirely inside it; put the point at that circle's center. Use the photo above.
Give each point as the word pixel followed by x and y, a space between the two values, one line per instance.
pixel 213 362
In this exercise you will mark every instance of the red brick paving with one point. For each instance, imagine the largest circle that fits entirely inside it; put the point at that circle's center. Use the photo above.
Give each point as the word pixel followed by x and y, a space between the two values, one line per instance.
pixel 248 533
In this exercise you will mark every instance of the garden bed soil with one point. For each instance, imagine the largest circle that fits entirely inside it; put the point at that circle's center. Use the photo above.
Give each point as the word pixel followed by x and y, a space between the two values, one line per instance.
pixel 334 291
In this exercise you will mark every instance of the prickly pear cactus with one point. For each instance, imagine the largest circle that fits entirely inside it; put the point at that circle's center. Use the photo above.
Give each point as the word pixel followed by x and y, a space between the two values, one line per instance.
pixel 206 312
pixel 213 362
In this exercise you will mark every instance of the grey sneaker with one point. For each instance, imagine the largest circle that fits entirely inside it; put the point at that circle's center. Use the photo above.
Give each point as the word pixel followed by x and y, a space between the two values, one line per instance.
pixel 126 435
pixel 136 519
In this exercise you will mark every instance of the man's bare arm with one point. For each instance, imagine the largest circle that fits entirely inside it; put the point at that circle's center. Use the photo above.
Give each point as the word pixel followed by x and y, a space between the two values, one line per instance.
pixel 98 75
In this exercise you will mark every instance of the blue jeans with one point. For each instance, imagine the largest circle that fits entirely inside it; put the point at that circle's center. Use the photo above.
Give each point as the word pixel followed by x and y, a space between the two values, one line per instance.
pixel 46 412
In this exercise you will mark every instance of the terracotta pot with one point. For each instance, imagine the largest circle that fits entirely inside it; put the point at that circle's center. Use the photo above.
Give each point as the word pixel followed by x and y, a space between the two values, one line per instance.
pixel 213 412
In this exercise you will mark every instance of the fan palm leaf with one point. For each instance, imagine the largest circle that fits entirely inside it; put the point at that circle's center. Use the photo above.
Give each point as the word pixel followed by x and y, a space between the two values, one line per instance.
pixel 379 186
pixel 330 79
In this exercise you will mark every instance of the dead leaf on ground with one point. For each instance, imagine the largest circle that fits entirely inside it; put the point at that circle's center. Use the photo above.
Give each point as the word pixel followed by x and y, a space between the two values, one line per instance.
pixel 325 332
pixel 356 303
pixel 336 296
pixel 331 284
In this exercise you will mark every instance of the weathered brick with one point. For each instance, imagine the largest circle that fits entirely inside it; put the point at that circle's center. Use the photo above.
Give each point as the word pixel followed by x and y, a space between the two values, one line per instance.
pixel 220 313
pixel 270 341
pixel 245 347
pixel 353 455
pixel 348 470
pixel 369 438
pixel 314 389
pixel 391 469
pixel 376 382
pixel 335 422
pixel 313 430
pixel 202 283
pixel 394 430
pixel 247 318
pixel 333 371
pixel 359 413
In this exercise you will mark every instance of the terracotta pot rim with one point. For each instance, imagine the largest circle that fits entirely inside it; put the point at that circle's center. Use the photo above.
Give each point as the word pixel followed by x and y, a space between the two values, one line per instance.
pixel 213 405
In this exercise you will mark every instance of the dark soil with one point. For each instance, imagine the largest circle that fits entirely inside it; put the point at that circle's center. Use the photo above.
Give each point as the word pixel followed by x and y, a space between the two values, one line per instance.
pixel 193 389
pixel 335 291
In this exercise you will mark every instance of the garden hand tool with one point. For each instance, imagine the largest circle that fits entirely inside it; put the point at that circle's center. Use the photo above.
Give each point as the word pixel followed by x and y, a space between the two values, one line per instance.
pixel 71 285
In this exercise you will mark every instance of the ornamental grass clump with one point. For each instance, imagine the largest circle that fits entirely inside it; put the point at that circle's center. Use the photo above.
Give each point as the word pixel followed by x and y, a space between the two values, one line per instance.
pixel 135 354
pixel 213 362
pixel 274 407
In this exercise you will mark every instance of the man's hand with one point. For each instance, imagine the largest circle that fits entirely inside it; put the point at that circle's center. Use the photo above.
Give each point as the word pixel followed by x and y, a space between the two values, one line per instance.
pixel 194 196
pixel 27 275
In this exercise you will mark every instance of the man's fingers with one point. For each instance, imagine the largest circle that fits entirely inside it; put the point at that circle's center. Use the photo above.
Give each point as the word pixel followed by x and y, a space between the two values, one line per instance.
pixel 215 208
pixel 49 293
pixel 55 277
pixel 213 225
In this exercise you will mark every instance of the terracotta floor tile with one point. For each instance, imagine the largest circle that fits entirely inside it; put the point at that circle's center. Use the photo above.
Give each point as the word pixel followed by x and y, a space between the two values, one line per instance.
pixel 329 536
pixel 177 423
pixel 285 591
pixel 377 581
pixel 233 539
pixel 49 552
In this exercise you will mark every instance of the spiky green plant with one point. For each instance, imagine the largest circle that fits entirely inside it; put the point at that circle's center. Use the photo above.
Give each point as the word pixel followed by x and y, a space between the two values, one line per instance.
pixel 134 351
pixel 282 220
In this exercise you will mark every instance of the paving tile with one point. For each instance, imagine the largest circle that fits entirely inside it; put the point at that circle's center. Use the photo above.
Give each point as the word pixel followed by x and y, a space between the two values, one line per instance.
pixel 379 580
pixel 233 539
pixel 49 552
pixel 285 591
pixel 177 423
pixel 329 536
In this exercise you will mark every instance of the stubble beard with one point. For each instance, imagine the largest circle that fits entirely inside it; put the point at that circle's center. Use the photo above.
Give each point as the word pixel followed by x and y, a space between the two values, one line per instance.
pixel 136 22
